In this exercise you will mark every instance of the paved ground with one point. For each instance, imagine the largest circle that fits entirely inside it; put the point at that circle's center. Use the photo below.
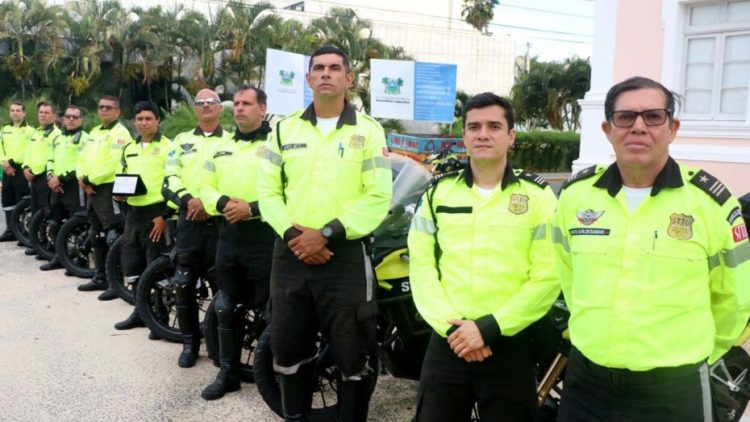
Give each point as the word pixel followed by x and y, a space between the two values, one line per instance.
pixel 61 360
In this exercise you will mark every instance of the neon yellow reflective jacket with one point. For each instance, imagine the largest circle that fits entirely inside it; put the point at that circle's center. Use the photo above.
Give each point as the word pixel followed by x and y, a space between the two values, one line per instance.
pixel 184 168
pixel 149 163
pixel 14 141
pixel 311 179
pixel 64 156
pixel 40 148
pixel 232 171
pixel 496 264
pixel 663 286
pixel 101 154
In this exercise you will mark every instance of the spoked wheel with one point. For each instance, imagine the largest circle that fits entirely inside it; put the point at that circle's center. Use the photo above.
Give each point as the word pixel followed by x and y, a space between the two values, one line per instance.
pixel 113 268
pixel 157 300
pixel 73 245
pixel 42 235
pixel 252 327
pixel 19 222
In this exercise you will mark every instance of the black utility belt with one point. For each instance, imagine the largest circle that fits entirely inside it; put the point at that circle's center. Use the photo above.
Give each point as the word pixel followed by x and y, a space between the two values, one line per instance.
pixel 159 207
pixel 656 375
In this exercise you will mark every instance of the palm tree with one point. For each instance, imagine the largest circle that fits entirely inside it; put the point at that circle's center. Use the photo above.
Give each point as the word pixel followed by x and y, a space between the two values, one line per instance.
pixel 479 13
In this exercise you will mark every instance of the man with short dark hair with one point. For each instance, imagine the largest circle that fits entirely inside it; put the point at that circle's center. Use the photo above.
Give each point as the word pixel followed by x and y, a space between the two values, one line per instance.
pixel 482 271
pixel 653 261
pixel 324 187
pixel 14 139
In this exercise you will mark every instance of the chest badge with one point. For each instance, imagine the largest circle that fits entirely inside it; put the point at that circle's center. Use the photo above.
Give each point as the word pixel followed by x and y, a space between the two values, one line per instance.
pixel 357 142
pixel 519 204
pixel 680 226
pixel 589 216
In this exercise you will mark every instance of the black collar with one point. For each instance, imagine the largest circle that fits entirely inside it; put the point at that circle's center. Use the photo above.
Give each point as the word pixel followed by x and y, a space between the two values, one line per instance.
pixel 217 133
pixel 156 138
pixel 668 177
pixel 67 132
pixel 110 126
pixel 23 123
pixel 508 175
pixel 259 134
pixel 348 115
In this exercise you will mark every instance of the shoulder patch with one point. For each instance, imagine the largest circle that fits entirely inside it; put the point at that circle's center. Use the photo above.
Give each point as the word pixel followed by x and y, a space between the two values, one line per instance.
pixel 533 178
pixel 734 215
pixel 581 175
pixel 444 176
pixel 712 186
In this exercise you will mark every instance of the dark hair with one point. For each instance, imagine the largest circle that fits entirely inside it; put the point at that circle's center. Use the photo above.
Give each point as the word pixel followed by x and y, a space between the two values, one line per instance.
pixel 79 108
pixel 46 104
pixel 19 103
pixel 111 98
pixel 487 99
pixel 259 93
pixel 142 106
pixel 329 49
pixel 635 83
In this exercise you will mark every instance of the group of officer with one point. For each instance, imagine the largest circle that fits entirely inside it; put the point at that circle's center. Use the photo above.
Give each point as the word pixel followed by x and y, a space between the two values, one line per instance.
pixel 651 256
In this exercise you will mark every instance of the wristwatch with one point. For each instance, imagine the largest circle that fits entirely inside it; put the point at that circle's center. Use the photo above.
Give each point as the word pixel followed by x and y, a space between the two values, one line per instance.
pixel 327 232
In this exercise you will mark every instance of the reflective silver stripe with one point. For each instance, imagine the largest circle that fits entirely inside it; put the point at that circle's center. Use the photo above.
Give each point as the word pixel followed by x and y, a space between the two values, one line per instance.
pixel 376 162
pixel 423 224
pixel 713 262
pixel 291 370
pixel 272 157
pixel 369 276
pixel 559 238
pixel 706 393
pixel 209 165
pixel 11 208
pixel 736 256
pixel 540 232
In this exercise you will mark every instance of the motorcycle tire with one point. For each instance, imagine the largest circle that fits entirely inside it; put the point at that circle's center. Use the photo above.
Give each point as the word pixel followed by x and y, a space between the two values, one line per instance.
pixel 156 299
pixel 113 269
pixel 73 247
pixel 42 241
pixel 251 326
pixel 19 221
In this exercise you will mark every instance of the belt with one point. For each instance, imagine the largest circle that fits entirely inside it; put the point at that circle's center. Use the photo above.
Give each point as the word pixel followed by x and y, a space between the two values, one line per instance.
pixel 656 375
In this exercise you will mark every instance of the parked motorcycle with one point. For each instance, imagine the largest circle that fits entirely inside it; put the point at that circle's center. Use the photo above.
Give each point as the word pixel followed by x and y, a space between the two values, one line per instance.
pixel 73 246
pixel 19 221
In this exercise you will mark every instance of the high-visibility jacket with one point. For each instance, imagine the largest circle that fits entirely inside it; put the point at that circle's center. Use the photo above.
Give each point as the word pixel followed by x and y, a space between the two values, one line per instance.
pixel 183 171
pixel 663 286
pixel 64 156
pixel 100 157
pixel 40 148
pixel 313 180
pixel 149 162
pixel 13 142
pixel 493 262
pixel 232 171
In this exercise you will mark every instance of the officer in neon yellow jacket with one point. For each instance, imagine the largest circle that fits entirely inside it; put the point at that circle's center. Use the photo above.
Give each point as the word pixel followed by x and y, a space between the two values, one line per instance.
pixel 653 259
pixel 37 154
pixel 481 271
pixel 14 139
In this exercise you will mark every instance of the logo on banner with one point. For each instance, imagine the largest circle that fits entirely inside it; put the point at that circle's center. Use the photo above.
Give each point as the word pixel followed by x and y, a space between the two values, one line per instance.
pixel 392 86
pixel 286 78
pixel 680 226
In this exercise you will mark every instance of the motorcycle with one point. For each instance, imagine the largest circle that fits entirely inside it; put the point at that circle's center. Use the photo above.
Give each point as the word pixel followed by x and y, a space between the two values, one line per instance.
pixel 73 246
pixel 19 221
pixel 42 235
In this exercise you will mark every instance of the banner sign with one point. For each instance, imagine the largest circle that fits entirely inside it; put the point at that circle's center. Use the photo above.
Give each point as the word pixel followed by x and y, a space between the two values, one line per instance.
pixel 421 147
pixel 285 82
pixel 409 90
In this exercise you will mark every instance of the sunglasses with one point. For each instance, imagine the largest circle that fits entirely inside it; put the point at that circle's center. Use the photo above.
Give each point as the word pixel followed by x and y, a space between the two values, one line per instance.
pixel 71 117
pixel 206 102
pixel 106 107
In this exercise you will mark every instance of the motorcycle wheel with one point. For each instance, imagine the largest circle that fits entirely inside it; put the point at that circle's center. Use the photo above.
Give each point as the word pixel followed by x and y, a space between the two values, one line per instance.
pixel 113 269
pixel 252 324
pixel 156 299
pixel 73 247
pixel 40 236
pixel 19 221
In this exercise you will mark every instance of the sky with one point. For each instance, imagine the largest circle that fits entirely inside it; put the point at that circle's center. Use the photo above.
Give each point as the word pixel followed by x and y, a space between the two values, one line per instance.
pixel 553 29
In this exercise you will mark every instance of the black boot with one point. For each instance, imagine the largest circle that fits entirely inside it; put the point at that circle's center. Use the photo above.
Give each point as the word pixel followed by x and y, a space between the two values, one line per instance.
pixel 108 294
pixel 354 398
pixel 52 265
pixel 228 378
pixel 132 321
pixel 296 393
pixel 99 282
pixel 187 317
pixel 29 252
pixel 7 235
pixel 96 283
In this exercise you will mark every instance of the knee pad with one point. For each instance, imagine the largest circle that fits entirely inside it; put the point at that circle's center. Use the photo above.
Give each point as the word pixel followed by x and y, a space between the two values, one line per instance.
pixel 227 310
pixel 111 236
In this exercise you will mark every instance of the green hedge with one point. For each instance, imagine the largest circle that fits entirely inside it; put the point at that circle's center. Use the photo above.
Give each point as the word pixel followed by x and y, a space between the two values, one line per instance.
pixel 545 151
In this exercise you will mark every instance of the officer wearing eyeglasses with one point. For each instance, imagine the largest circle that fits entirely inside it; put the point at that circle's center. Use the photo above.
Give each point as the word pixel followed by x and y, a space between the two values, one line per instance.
pixel 653 260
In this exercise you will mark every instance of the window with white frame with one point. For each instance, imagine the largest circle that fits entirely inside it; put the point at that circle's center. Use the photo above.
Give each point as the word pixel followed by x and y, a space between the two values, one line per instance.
pixel 716 77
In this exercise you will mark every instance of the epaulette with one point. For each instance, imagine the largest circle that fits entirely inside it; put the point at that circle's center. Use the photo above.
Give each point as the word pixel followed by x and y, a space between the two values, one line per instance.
pixel 531 177
pixel 712 186
pixel 581 175
pixel 444 176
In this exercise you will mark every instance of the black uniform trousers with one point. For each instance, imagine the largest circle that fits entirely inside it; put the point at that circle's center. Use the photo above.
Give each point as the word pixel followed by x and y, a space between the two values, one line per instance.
pixel 336 298
pixel 593 392
pixel 101 209
pixel 138 250
pixel 196 243
pixel 502 386
pixel 243 261
pixel 14 188
pixel 63 205
pixel 40 193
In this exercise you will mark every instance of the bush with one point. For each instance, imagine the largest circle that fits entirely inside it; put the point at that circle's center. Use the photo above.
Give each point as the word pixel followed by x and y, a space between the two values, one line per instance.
pixel 545 151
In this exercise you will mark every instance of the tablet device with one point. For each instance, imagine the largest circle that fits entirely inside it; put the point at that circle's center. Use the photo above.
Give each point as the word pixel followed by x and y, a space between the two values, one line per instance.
pixel 128 185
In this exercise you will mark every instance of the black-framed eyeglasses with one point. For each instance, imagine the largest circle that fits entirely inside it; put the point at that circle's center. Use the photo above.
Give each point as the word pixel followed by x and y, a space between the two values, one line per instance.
pixel 106 107
pixel 206 102
pixel 653 117
pixel 71 117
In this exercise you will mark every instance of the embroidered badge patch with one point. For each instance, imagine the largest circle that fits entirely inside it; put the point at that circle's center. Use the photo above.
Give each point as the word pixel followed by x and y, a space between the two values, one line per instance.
pixel 293 146
pixel 739 233
pixel 680 226
pixel 589 216
pixel 357 142
pixel 519 204
pixel 585 231
pixel 261 151
pixel 734 214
